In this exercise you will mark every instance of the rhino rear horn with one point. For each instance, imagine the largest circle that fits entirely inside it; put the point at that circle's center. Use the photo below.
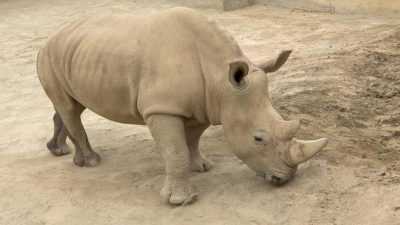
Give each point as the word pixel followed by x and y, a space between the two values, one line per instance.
pixel 276 63
pixel 287 129
pixel 301 151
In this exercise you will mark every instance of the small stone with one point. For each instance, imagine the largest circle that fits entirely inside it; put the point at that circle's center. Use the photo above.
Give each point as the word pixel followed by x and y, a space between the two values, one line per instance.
pixel 382 172
pixel 396 134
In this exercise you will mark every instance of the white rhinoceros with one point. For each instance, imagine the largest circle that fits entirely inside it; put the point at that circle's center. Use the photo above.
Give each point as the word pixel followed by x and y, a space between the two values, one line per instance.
pixel 178 73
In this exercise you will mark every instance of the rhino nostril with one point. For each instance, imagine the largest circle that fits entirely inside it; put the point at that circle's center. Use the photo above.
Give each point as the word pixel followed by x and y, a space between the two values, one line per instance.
pixel 276 179
pixel 256 138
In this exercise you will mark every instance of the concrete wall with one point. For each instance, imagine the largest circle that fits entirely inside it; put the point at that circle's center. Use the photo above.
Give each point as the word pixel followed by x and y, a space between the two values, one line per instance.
pixel 339 6
pixel 218 4
pixel 332 6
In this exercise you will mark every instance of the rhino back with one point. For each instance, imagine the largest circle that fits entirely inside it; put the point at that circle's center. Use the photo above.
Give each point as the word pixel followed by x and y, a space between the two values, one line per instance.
pixel 97 61
pixel 127 67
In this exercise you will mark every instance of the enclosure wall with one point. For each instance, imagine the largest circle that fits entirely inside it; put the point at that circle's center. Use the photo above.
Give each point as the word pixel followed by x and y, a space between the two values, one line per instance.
pixel 339 6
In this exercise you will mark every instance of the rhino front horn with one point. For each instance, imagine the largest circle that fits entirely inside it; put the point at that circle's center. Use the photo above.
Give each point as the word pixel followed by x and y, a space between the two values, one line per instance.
pixel 302 151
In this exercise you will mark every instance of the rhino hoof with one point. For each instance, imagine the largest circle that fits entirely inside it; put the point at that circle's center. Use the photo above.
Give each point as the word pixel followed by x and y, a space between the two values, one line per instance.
pixel 63 150
pixel 200 165
pixel 58 150
pixel 92 160
pixel 177 196
pixel 178 199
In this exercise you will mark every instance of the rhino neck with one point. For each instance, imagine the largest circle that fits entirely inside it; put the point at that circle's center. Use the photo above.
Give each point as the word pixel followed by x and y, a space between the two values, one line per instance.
pixel 213 104
pixel 215 51
pixel 214 80
pixel 212 98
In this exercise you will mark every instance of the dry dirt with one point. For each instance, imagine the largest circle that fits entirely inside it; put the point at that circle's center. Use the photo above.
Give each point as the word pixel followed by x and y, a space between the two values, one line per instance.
pixel 342 82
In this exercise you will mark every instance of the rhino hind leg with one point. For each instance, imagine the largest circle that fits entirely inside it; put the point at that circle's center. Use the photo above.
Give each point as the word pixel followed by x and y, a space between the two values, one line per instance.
pixel 198 163
pixel 69 113
pixel 57 144
pixel 84 154
pixel 67 120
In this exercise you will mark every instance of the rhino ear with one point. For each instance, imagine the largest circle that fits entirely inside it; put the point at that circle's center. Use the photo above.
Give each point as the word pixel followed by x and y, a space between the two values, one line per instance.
pixel 237 72
pixel 274 64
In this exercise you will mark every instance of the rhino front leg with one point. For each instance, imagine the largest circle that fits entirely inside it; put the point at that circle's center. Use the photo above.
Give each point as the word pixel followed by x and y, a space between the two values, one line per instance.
pixel 169 133
pixel 198 162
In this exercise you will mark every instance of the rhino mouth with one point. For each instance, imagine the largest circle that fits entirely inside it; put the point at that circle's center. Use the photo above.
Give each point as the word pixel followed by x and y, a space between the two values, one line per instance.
pixel 276 179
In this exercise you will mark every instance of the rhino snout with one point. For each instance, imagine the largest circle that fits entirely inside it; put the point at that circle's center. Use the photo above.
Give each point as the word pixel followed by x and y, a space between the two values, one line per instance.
pixel 278 181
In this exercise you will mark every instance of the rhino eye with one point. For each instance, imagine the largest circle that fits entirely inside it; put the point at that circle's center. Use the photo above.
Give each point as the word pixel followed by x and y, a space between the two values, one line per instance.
pixel 261 137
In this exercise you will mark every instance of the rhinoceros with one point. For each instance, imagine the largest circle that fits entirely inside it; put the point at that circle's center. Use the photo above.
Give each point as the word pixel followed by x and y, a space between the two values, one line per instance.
pixel 178 73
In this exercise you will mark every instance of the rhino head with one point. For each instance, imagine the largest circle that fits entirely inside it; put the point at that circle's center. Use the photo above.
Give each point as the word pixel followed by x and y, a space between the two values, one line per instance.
pixel 256 133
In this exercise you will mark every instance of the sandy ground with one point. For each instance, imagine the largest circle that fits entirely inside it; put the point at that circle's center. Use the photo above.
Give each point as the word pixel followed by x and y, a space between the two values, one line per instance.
pixel 342 82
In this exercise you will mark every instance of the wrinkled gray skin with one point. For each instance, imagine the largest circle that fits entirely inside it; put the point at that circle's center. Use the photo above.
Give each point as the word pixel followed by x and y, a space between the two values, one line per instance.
pixel 178 73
